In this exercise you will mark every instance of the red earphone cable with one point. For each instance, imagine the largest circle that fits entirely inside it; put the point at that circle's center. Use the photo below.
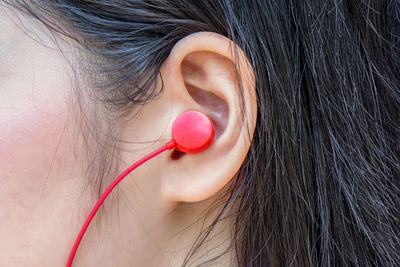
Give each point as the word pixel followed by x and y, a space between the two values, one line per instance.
pixel 168 146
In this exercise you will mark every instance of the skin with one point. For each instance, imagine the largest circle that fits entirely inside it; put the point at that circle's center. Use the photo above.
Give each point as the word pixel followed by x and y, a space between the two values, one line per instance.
pixel 158 211
pixel 35 158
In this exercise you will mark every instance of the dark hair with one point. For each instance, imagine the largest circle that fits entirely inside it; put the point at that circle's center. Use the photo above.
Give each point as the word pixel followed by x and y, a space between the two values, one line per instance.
pixel 320 184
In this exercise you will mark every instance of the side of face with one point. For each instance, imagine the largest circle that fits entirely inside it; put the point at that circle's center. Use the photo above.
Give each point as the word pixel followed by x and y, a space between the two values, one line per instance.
pixel 42 177
pixel 38 170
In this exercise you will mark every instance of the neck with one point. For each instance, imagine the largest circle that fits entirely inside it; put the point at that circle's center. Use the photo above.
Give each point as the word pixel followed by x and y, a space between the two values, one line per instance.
pixel 149 236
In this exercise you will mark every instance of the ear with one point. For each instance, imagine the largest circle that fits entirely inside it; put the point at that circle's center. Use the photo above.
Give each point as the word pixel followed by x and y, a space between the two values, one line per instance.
pixel 203 72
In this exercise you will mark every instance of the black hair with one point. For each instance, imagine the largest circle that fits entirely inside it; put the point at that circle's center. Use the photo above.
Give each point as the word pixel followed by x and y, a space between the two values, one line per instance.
pixel 320 185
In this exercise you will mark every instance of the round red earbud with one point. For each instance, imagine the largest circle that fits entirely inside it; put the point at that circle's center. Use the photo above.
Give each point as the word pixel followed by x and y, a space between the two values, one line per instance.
pixel 192 132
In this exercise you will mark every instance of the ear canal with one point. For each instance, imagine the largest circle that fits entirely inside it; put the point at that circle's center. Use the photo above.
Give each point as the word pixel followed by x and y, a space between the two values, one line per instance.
pixel 193 132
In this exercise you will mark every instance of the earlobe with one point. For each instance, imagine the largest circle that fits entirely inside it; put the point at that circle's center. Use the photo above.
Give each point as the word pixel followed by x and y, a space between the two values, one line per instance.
pixel 201 74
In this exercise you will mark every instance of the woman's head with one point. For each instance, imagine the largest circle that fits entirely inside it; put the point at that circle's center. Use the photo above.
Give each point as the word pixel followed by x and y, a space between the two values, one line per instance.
pixel 305 97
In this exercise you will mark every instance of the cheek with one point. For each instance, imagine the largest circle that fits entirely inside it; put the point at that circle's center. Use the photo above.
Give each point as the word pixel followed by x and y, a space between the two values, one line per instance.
pixel 27 126
pixel 33 117
pixel 33 109
pixel 31 147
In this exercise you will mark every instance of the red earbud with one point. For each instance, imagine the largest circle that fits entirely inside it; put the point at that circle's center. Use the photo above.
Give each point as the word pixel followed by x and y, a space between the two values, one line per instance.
pixel 192 132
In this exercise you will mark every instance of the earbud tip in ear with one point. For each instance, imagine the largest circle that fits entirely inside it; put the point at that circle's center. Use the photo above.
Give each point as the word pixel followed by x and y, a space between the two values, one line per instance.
pixel 192 132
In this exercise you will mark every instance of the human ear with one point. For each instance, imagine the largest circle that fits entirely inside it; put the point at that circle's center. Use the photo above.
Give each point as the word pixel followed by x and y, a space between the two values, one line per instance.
pixel 203 72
